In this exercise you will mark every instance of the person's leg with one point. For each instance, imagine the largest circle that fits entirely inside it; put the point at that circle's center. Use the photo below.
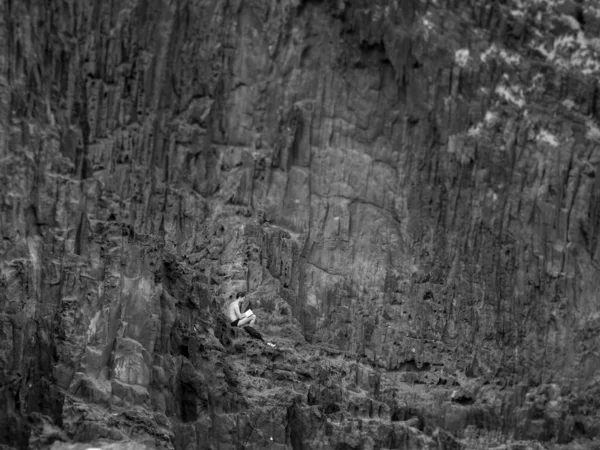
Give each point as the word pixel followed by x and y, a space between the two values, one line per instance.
pixel 247 320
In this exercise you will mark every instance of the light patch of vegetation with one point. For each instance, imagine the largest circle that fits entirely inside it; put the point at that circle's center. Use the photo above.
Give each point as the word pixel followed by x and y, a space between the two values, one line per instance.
pixel 558 36
pixel 511 94
pixel 490 118
pixel 570 21
pixel 427 23
pixel 475 130
pixel 593 131
pixel 573 52
pixel 592 9
pixel 507 57
pixel 548 138
pixel 462 56
pixel 568 103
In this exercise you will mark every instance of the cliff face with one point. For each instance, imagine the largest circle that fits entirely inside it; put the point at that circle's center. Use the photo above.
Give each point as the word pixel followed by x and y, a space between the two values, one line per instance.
pixel 406 190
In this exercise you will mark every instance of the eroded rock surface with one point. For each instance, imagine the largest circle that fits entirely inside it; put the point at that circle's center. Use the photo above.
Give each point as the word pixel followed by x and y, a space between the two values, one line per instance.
pixel 406 190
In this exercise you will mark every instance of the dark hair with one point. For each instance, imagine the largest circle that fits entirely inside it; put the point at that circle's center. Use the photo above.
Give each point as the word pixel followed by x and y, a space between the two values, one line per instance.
pixel 240 295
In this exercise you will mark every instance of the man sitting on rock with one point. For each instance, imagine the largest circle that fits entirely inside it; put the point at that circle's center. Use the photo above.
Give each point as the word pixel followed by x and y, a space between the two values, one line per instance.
pixel 239 319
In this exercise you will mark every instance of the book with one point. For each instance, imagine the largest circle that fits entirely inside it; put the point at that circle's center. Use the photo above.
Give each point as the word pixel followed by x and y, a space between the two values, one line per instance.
pixel 248 313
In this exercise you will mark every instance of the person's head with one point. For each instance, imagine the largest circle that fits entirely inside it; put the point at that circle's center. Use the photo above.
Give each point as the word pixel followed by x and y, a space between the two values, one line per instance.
pixel 240 296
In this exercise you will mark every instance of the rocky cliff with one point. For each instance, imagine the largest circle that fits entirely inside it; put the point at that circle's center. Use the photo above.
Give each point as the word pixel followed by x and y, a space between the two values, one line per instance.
pixel 406 190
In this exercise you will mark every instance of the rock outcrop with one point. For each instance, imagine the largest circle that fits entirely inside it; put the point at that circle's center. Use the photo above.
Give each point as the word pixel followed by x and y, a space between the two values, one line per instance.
pixel 406 190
